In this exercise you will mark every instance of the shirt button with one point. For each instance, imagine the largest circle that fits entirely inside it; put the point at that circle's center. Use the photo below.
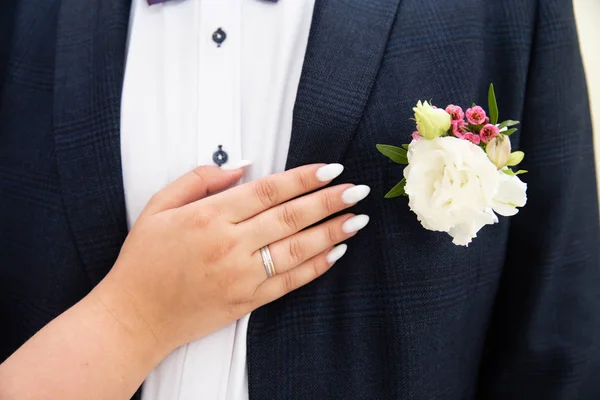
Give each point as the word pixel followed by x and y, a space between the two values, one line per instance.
pixel 219 36
pixel 220 156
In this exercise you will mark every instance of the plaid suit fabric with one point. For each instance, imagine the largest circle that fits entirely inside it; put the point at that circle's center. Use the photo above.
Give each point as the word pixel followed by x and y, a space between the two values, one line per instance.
pixel 405 314
pixel 40 269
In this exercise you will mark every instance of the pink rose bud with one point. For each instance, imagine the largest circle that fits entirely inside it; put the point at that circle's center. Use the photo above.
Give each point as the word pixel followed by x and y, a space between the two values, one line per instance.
pixel 458 128
pixel 455 112
pixel 415 135
pixel 476 115
pixel 488 132
pixel 471 137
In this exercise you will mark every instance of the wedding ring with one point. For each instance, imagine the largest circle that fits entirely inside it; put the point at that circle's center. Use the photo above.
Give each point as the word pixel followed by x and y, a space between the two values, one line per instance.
pixel 267 261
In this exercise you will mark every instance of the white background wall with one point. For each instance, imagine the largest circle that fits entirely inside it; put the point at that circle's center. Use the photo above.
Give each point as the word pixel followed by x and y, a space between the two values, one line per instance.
pixel 587 13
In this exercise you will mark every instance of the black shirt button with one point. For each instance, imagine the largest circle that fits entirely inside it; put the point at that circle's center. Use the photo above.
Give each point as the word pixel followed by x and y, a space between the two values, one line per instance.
pixel 220 156
pixel 219 36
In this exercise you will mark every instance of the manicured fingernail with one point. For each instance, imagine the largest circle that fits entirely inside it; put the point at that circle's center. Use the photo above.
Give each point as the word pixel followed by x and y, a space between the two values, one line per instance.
pixel 336 253
pixel 355 194
pixel 329 172
pixel 355 224
pixel 236 165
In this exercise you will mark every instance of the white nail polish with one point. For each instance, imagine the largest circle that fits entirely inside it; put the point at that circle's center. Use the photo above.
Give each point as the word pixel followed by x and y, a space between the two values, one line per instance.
pixel 336 253
pixel 355 194
pixel 355 224
pixel 329 172
pixel 236 165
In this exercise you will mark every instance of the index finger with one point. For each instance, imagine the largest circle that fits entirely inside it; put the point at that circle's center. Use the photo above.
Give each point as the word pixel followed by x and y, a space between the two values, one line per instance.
pixel 245 201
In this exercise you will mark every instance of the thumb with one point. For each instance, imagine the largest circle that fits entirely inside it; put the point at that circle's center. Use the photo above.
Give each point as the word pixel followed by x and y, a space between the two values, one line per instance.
pixel 198 183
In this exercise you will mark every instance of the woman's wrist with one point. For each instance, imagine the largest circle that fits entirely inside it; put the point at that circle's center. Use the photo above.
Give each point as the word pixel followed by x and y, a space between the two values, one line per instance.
pixel 133 326
pixel 98 349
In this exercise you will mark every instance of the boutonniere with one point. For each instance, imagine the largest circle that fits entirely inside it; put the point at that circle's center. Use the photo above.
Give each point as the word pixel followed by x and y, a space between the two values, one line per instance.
pixel 459 171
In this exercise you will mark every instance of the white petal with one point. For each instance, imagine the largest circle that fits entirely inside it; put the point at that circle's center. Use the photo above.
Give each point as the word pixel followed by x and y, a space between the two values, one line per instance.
pixel 511 194
pixel 463 233
pixel 461 236
pixel 504 209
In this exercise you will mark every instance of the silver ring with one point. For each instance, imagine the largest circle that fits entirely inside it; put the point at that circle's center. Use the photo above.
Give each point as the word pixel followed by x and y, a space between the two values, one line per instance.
pixel 267 261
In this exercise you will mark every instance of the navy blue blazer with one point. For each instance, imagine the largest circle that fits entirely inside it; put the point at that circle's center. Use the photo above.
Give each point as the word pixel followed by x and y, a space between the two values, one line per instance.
pixel 406 314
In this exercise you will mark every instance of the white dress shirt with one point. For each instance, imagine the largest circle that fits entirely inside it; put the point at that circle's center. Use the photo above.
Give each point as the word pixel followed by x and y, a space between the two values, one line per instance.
pixel 183 96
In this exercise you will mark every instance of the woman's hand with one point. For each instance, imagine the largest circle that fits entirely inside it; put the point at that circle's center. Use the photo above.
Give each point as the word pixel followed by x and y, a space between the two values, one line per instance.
pixel 192 261
pixel 190 266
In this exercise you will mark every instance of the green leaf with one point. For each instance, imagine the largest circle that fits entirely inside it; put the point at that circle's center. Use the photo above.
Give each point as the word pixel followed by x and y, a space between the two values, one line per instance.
pixel 510 172
pixel 508 123
pixel 396 154
pixel 397 190
pixel 515 158
pixel 405 146
pixel 509 131
pixel 473 105
pixel 492 105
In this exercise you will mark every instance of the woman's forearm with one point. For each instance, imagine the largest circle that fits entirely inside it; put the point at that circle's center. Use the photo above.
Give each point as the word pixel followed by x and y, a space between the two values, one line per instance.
pixel 95 350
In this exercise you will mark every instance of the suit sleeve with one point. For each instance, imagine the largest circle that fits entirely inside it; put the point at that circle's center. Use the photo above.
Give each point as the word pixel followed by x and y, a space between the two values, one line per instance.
pixel 543 337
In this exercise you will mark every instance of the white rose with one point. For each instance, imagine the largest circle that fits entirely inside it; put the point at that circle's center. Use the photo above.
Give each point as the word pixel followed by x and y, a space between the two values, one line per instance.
pixel 512 193
pixel 431 122
pixel 451 185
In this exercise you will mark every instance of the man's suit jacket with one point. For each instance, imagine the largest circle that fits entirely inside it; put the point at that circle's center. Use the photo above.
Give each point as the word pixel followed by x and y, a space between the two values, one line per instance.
pixel 406 314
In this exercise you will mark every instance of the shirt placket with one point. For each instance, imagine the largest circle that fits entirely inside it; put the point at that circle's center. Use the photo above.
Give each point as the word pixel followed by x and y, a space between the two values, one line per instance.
pixel 218 115
pixel 218 85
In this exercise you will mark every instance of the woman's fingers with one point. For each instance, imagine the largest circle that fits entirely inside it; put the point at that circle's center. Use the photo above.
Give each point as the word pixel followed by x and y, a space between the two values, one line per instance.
pixel 286 282
pixel 248 200
pixel 291 217
pixel 296 249
pixel 194 185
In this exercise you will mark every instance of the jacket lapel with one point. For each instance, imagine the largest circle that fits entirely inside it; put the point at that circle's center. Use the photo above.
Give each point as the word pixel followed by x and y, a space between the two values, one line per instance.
pixel 90 59
pixel 345 49
pixel 346 46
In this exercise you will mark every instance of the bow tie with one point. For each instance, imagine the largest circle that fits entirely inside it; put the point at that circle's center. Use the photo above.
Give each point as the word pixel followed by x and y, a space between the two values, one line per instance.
pixel 152 2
